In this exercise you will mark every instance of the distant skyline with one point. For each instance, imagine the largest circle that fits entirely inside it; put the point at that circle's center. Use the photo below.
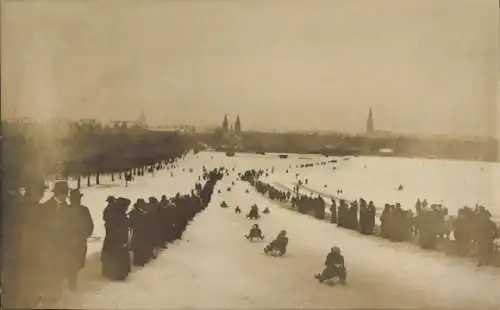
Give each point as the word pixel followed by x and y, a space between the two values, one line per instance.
pixel 426 67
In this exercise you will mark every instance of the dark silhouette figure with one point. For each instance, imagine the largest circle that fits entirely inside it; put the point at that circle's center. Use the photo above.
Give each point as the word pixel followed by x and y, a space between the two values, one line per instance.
pixel 334 267
pixel 57 228
pixel 254 213
pixel 141 242
pixel 278 246
pixel 115 250
pixel 255 233
pixel 83 226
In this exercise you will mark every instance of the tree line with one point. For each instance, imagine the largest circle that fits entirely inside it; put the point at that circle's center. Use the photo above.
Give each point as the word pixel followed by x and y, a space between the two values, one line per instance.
pixel 33 151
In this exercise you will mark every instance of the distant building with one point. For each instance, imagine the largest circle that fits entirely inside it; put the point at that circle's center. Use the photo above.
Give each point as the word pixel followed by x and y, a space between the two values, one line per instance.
pixel 370 127
pixel 225 125
pixel 141 121
pixel 237 126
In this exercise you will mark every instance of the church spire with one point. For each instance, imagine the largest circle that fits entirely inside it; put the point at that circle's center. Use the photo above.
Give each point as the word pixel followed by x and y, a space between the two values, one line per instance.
pixel 142 119
pixel 237 125
pixel 370 127
pixel 225 124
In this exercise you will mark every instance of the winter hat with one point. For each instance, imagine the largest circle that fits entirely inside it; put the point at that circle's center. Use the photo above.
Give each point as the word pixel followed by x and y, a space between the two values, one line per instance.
pixel 60 187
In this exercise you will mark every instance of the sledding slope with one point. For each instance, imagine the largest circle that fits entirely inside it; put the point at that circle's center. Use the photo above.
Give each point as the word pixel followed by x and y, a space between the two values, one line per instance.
pixel 215 267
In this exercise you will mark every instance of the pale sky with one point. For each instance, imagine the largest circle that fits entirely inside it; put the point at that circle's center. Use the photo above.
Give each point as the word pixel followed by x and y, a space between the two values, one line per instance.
pixel 424 66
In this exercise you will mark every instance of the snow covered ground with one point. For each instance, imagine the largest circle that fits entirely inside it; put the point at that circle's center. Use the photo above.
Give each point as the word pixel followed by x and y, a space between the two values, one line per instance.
pixel 215 267
pixel 454 183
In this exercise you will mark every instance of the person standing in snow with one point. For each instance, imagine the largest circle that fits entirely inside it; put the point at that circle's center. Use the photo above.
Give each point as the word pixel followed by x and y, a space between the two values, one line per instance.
pixel 115 255
pixel 486 233
pixel 83 227
pixel 363 216
pixel 370 214
pixel 155 222
pixel 141 244
pixel 333 212
pixel 22 274
pixel 110 200
pixel 56 227
pixel 32 247
pixel 164 220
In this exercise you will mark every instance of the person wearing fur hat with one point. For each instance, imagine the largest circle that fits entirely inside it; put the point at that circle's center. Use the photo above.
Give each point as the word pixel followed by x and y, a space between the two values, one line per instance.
pixel 83 227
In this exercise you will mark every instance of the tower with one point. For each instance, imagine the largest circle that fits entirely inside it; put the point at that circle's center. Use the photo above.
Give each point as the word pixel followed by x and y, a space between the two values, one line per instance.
pixel 142 119
pixel 237 125
pixel 225 125
pixel 369 123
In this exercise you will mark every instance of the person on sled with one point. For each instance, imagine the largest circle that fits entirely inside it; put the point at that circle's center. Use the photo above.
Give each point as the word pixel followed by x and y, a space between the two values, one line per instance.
pixel 254 233
pixel 266 211
pixel 277 247
pixel 334 267
pixel 224 205
pixel 254 213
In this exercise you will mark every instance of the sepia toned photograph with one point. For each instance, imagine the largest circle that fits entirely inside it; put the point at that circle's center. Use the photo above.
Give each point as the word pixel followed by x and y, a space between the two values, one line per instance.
pixel 250 154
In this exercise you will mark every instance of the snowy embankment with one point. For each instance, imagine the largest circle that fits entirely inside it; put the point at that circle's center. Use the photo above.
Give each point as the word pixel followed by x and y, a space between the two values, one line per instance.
pixel 215 267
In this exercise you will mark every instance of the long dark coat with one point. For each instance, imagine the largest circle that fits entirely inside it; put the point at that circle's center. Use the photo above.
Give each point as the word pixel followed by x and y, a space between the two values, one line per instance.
pixel 83 227
pixel 115 256
pixel 141 243
pixel 57 228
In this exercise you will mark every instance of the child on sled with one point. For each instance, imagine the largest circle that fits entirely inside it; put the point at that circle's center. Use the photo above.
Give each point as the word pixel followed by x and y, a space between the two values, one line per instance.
pixel 254 213
pixel 255 233
pixel 334 267
pixel 278 246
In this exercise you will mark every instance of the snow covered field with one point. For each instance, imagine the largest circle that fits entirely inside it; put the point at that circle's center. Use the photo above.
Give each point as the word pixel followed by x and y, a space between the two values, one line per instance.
pixel 453 183
pixel 215 267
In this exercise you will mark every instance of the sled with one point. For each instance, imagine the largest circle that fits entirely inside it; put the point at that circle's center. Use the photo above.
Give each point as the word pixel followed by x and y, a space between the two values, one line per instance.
pixel 274 252
pixel 251 238
pixel 330 282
